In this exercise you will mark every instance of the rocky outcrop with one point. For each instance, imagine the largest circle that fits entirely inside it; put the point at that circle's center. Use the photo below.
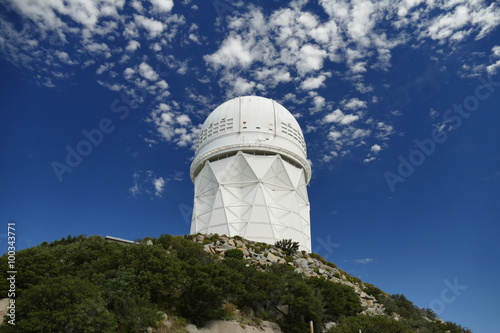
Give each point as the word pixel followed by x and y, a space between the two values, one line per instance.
pixel 263 255
pixel 220 326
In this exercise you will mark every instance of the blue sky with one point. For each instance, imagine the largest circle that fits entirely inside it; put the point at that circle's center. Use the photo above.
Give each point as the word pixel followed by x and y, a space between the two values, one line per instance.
pixel 102 101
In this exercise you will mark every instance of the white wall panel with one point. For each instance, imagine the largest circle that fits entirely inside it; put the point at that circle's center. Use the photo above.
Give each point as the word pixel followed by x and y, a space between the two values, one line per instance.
pixel 265 209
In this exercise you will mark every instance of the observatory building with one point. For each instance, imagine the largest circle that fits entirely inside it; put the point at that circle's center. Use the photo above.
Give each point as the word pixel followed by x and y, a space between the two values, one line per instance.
pixel 250 174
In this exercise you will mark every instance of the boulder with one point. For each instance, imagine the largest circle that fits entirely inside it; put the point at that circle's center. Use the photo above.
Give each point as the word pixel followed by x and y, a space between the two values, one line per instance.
pixel 302 263
pixel 220 326
pixel 192 329
pixel 272 258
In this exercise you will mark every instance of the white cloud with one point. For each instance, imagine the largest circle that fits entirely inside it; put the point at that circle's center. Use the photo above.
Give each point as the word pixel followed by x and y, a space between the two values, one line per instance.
pixel 162 84
pixel 183 119
pixel 313 82
pixel 362 21
pixel 159 184
pixel 133 45
pixel 375 148
pixel 155 28
pixel 334 117
pixel 334 135
pixel 310 59
pixel 146 182
pixel 172 125
pixel 261 51
pixel 384 131
pixel 361 133
pixel 363 261
pixel 242 86
pixel 355 103
pixel 47 14
pixel 97 47
pixel 129 73
pixel 162 6
pixel 349 118
pixel 338 116
pixel 232 53
pixel 492 69
pixel 319 103
pixel 104 68
pixel 496 51
pixel 147 72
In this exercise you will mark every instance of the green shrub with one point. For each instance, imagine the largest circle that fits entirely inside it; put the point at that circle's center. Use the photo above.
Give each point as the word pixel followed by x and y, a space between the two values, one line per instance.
pixel 89 285
pixel 370 324
pixel 64 303
pixel 289 247
pixel 338 300
pixel 234 253
pixel 322 260
pixel 370 289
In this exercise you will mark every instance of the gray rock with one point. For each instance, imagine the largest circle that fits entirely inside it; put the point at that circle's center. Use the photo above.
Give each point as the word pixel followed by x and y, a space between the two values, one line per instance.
pixel 272 258
pixel 245 251
pixel 220 326
pixel 262 261
pixel 200 238
pixel 329 325
pixel 302 263
pixel 226 247
pixel 192 329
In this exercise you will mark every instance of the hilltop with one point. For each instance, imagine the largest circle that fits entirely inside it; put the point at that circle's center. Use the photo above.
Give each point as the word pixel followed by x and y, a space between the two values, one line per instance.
pixel 86 284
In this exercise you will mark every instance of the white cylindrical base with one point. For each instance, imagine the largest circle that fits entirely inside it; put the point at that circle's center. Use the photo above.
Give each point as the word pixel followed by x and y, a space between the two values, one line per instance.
pixel 258 197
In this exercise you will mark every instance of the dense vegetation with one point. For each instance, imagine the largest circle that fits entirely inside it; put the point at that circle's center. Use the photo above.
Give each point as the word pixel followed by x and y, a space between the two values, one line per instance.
pixel 85 284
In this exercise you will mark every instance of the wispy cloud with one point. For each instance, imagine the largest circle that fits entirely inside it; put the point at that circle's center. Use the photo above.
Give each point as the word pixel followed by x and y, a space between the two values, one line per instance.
pixel 132 48
pixel 148 183
pixel 363 261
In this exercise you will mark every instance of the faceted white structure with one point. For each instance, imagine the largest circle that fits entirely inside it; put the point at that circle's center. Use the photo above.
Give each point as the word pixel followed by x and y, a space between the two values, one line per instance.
pixel 250 174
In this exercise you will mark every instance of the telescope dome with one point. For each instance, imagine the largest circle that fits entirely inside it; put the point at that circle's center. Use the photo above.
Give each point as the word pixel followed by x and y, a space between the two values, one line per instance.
pixel 250 124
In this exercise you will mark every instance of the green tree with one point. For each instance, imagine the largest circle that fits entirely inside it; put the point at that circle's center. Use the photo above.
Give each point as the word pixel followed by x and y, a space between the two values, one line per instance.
pixel 338 300
pixel 303 307
pixel 64 303
pixel 129 300
pixel 370 324
pixel 202 296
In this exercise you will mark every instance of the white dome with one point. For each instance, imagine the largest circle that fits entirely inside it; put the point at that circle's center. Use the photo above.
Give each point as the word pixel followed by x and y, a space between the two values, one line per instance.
pixel 250 124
